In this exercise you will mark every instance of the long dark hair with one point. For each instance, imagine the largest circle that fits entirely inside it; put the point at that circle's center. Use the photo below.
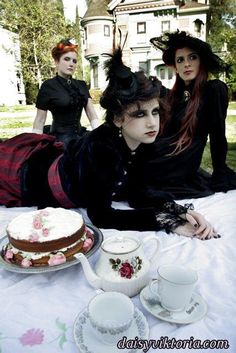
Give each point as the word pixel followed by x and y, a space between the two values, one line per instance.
pixel 189 121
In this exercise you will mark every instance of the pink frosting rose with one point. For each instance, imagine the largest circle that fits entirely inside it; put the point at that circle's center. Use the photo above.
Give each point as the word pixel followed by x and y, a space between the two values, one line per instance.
pixel 8 255
pixel 33 237
pixel 56 259
pixel 87 244
pixel 37 224
pixel 45 232
pixel 26 263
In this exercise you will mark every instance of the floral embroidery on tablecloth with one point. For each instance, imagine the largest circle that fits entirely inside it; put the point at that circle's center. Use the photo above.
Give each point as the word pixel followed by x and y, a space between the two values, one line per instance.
pixel 36 336
pixel 32 337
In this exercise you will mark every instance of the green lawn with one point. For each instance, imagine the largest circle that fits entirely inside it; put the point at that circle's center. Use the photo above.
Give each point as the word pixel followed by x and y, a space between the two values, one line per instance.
pixel 231 138
pixel 232 105
pixel 22 122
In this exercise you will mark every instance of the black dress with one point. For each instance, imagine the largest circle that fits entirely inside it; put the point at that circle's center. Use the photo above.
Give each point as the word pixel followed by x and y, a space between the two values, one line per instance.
pixel 65 99
pixel 181 174
pixel 92 172
pixel 101 169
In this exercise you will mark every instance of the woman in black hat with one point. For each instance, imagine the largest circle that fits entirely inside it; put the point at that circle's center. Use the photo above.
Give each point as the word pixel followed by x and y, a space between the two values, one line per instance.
pixel 111 155
pixel 198 109
pixel 65 97
pixel 103 166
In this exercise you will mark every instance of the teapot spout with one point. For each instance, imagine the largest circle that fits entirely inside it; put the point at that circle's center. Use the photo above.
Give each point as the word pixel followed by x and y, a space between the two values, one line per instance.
pixel 94 280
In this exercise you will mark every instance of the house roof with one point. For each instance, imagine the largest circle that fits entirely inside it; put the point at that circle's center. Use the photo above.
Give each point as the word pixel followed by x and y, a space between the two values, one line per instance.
pixel 192 5
pixel 97 8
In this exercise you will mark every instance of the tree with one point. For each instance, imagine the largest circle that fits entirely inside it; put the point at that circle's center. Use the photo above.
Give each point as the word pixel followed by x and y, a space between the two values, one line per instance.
pixel 77 36
pixel 221 36
pixel 40 24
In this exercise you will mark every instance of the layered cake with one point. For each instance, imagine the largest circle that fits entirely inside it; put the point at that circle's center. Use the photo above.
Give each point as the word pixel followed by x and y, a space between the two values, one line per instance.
pixel 46 237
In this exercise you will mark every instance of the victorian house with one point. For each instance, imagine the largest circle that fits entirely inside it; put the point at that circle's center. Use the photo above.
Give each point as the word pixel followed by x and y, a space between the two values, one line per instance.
pixel 11 84
pixel 131 24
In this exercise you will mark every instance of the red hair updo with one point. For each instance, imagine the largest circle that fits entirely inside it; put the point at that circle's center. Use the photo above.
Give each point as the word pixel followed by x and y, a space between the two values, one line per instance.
pixel 64 46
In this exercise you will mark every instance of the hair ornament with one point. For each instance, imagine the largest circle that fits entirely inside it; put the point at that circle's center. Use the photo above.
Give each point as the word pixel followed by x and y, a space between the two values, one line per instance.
pixel 124 86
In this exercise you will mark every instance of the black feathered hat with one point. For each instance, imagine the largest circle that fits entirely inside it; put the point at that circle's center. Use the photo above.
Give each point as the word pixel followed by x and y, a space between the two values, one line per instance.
pixel 170 42
pixel 124 86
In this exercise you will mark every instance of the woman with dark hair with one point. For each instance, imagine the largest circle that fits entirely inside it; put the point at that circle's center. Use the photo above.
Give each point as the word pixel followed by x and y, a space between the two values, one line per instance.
pixel 64 96
pixel 103 166
pixel 111 155
pixel 198 109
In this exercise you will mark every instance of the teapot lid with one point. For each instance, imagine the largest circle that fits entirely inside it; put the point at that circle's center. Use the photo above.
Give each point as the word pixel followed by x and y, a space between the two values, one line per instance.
pixel 120 245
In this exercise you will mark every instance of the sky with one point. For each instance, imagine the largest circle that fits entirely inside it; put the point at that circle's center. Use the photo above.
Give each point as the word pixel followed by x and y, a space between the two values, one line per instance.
pixel 69 8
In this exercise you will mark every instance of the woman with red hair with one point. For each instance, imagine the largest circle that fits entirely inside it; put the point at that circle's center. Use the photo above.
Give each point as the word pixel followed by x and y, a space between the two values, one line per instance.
pixel 64 97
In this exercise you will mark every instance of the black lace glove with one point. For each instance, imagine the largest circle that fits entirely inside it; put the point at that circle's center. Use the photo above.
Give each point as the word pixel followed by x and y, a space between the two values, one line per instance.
pixel 168 222
pixel 176 209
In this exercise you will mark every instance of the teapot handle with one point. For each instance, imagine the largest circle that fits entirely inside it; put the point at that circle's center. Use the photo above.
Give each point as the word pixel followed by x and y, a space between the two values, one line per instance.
pixel 157 249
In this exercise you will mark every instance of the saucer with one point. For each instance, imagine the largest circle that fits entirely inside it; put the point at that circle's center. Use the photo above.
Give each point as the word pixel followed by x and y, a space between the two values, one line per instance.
pixel 87 342
pixel 194 311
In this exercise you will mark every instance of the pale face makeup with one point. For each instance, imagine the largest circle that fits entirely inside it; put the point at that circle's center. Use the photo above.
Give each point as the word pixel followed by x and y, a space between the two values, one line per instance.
pixel 140 123
pixel 66 65
pixel 187 64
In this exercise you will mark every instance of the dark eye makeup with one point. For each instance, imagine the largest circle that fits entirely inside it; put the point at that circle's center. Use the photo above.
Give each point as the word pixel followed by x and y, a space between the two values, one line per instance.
pixel 191 57
pixel 142 113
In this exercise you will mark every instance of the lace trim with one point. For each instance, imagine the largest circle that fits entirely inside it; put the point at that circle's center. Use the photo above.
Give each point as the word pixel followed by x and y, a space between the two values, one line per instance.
pixel 168 221
pixel 176 209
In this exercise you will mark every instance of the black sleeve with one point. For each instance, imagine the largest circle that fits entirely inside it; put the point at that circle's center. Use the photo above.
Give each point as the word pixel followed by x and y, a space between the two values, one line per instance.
pixel 98 174
pixel 218 105
pixel 83 89
pixel 223 178
pixel 43 97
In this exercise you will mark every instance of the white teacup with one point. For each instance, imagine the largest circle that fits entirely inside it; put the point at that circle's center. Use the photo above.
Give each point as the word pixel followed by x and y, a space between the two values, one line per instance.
pixel 111 315
pixel 174 286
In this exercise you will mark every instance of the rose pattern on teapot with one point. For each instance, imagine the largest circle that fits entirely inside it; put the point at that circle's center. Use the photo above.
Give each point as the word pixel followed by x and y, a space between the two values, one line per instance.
pixel 127 268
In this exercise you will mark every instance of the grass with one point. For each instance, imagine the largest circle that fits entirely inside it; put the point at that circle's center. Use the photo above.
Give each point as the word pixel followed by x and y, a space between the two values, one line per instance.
pixel 16 108
pixel 231 138
pixel 13 125
pixel 232 105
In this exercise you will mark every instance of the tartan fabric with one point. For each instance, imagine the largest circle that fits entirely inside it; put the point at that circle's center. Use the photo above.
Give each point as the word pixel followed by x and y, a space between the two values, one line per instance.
pixel 54 181
pixel 13 154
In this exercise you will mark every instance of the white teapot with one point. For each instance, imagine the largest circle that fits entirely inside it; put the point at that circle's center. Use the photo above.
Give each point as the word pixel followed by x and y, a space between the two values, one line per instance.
pixel 122 265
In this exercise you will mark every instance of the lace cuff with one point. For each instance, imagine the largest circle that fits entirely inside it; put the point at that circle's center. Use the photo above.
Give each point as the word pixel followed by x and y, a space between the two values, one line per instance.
pixel 176 209
pixel 168 221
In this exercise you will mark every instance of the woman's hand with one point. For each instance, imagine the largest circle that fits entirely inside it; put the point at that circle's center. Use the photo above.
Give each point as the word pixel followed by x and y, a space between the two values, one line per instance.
pixel 196 226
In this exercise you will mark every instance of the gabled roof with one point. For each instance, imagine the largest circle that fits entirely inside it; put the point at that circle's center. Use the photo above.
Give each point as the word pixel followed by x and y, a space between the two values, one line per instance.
pixel 97 8
pixel 192 5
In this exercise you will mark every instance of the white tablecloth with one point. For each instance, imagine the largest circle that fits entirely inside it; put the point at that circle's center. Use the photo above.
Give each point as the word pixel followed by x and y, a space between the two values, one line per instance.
pixel 37 311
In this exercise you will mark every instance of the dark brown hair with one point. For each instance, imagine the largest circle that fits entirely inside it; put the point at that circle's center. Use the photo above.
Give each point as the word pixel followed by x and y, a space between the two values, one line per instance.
pixel 189 121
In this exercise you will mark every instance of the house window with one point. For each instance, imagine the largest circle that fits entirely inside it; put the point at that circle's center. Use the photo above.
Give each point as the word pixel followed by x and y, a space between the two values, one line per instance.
pixel 170 73
pixel 106 29
pixel 95 75
pixel 162 73
pixel 165 26
pixel 141 27
pixel 143 66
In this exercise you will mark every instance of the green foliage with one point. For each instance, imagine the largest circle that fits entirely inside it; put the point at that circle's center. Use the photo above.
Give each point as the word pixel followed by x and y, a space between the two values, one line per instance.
pixel 95 94
pixel 40 25
pixel 31 91
pixel 221 36
pixel 16 125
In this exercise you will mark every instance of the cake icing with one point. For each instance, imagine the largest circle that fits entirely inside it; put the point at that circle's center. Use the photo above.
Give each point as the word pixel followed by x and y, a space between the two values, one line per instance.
pixel 45 225
pixel 46 237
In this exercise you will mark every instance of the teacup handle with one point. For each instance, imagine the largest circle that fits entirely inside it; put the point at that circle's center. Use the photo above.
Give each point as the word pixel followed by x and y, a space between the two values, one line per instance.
pixel 153 291
pixel 157 249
